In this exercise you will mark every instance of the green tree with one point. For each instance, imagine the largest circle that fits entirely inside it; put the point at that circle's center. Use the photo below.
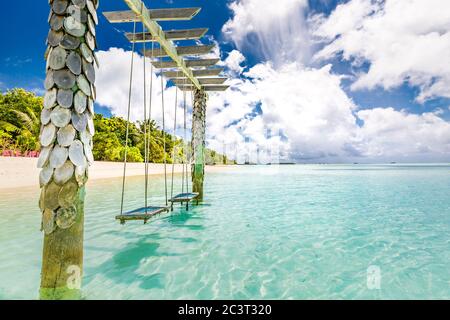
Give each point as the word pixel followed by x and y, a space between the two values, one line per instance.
pixel 107 147
pixel 20 126
pixel 19 113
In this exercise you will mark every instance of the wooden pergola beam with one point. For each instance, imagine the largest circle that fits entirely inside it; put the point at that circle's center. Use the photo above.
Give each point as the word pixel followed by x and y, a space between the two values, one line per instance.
pixel 205 88
pixel 181 51
pixel 173 35
pixel 203 81
pixel 197 73
pixel 189 63
pixel 154 14
pixel 141 11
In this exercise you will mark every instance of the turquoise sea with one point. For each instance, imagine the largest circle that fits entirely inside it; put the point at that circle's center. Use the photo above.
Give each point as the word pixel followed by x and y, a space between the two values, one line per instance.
pixel 264 232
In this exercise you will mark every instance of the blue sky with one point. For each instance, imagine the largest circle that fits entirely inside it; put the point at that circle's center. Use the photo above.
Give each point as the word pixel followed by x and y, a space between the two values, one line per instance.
pixel 320 34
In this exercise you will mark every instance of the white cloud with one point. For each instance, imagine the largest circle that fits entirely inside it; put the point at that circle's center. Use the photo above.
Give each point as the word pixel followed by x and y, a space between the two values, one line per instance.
pixel 113 82
pixel 403 40
pixel 233 62
pixel 274 30
pixel 388 133
pixel 303 112
pixel 318 121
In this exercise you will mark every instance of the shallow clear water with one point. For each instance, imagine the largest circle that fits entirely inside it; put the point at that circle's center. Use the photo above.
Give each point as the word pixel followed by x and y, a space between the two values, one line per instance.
pixel 293 232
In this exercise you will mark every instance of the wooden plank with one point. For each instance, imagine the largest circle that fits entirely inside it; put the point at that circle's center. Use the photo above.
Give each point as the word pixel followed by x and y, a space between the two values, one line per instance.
pixel 197 73
pixel 139 8
pixel 184 197
pixel 154 14
pixel 181 51
pixel 144 214
pixel 173 35
pixel 189 63
pixel 202 81
pixel 205 88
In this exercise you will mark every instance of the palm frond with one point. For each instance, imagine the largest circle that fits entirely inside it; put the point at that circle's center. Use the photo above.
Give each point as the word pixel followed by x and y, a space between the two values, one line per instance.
pixel 8 127
pixel 26 119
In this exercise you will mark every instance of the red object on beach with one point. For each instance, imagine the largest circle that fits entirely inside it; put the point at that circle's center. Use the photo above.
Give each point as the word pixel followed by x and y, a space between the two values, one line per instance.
pixel 16 153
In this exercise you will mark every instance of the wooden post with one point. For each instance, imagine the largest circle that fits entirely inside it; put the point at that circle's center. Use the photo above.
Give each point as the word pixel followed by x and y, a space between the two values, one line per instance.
pixel 66 144
pixel 198 141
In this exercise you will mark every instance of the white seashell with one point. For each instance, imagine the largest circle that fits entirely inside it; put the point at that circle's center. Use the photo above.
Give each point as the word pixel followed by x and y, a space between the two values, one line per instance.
pixel 58 157
pixel 92 10
pixel 84 85
pixel 90 40
pixel 57 58
pixel 66 135
pixel 86 137
pixel 91 25
pixel 60 117
pixel 64 173
pixel 50 98
pixel 65 98
pixel 80 102
pixel 48 135
pixel 79 121
pixel 74 62
pixel 70 42
pixel 80 175
pixel 79 3
pixel 56 22
pixel 90 125
pixel 76 153
pixel 86 53
pixel 49 82
pixel 64 79
pixel 45 176
pixel 60 6
pixel 44 156
pixel 91 106
pixel 74 27
pixel 89 71
pixel 54 37
pixel 88 153
pixel 45 116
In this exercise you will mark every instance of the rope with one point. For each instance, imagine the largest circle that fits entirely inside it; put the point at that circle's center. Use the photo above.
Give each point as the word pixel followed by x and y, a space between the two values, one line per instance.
pixel 164 139
pixel 150 108
pixel 174 135
pixel 145 120
pixel 184 142
pixel 188 151
pixel 128 120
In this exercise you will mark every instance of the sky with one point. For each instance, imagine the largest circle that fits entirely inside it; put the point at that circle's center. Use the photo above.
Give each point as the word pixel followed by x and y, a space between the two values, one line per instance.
pixel 318 81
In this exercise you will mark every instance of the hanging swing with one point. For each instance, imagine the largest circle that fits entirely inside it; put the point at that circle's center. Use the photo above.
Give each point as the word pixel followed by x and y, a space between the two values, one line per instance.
pixel 147 212
pixel 183 197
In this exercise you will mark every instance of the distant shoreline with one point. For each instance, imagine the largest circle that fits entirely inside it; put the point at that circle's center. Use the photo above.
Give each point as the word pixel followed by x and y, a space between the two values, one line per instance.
pixel 17 172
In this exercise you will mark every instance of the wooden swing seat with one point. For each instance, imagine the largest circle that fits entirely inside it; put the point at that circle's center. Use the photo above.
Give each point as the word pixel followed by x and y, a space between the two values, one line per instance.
pixel 184 197
pixel 143 214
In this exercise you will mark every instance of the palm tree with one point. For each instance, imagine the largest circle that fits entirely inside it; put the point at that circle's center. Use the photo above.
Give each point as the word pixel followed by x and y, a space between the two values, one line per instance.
pixel 20 120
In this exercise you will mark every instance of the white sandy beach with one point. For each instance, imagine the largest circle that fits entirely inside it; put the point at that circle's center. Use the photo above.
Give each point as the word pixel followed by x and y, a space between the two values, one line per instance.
pixel 22 172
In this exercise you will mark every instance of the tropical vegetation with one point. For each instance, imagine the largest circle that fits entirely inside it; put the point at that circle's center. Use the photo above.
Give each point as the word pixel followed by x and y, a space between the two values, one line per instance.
pixel 20 126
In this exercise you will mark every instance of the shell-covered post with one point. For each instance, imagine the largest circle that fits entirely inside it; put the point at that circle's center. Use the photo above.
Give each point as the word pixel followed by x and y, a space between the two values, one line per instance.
pixel 198 141
pixel 66 143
